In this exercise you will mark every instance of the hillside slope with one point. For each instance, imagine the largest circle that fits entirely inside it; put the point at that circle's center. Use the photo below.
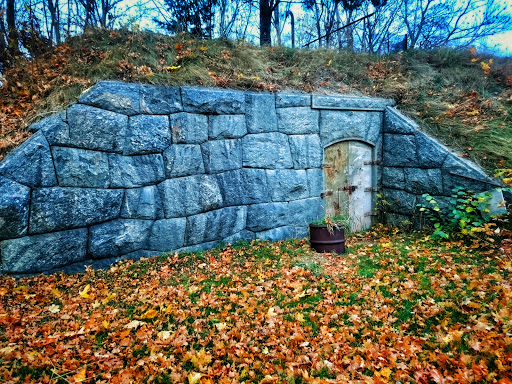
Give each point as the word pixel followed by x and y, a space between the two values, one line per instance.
pixel 461 97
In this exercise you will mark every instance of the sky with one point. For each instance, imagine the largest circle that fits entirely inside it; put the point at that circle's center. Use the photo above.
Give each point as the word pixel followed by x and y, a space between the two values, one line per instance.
pixel 501 44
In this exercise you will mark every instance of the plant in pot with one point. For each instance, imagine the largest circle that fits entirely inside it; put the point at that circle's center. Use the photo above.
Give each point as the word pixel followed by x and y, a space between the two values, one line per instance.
pixel 328 234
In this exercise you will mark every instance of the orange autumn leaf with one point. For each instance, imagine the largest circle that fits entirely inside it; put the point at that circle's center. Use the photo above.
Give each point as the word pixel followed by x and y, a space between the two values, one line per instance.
pixel 80 375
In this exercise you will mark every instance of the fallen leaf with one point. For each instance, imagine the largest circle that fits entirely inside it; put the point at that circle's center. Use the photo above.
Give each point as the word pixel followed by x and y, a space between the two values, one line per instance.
pixel 84 293
pixel 54 308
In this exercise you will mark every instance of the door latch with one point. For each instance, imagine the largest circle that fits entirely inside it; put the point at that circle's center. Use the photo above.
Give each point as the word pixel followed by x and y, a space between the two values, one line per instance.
pixel 349 189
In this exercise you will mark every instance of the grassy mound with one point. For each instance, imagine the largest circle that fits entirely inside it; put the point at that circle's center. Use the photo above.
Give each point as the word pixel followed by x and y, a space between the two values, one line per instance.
pixel 461 97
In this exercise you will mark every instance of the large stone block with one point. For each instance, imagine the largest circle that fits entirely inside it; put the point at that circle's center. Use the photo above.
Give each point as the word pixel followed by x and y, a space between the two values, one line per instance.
pixel 212 101
pixel 215 225
pixel 147 134
pixel 287 184
pixel 142 203
pixel 135 171
pixel 352 103
pixel 118 237
pixel 431 153
pixel 167 234
pixel 266 150
pixel 245 186
pixel 232 187
pixel 395 122
pixel 108 262
pixel 303 212
pixel 190 195
pixel 14 204
pixel 160 100
pixel 38 253
pixel 315 182
pixel 198 247
pixel 465 168
pixel 297 120
pixel 282 233
pixel 54 209
pixel 452 181
pixel 306 150
pixel 189 128
pixel 374 121
pixel 226 127
pixel 463 173
pixel 342 125
pixel 222 155
pixel 242 235
pixel 419 181
pixel 114 96
pixel 81 167
pixel 268 215
pixel 400 201
pixel 286 100
pixel 94 128
pixel 54 128
pixel 260 112
pixel 256 187
pixel 399 151
pixel 183 160
pixel 393 178
pixel 31 164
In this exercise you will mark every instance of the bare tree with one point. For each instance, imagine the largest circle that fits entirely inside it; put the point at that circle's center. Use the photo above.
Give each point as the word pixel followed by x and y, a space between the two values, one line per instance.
pixel 267 8
pixel 373 32
pixel 12 30
pixel 431 24
pixel 318 11
pixel 229 12
pixel 53 7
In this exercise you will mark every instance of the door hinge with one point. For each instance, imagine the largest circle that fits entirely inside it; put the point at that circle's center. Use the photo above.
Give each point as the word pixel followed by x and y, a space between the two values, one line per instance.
pixel 373 162
pixel 326 194
pixel 371 189
pixel 349 189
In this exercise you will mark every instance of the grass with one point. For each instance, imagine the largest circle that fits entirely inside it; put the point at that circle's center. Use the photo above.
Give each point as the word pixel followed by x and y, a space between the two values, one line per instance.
pixel 393 308
pixel 449 92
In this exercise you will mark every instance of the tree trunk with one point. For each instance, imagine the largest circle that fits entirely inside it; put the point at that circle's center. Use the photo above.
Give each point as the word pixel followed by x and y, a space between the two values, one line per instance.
pixel 3 43
pixel 349 33
pixel 12 32
pixel 277 24
pixel 265 22
pixel 54 8
pixel 338 26
pixel 318 16
pixel 222 22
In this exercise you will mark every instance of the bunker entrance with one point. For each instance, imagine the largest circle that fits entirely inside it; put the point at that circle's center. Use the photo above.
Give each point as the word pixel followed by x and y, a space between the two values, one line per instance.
pixel 348 181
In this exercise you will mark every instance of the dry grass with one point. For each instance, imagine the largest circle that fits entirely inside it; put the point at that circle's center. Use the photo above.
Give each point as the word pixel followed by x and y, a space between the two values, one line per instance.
pixel 450 92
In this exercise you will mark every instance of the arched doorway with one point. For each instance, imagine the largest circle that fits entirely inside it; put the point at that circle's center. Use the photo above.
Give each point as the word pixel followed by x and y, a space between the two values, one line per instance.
pixel 348 182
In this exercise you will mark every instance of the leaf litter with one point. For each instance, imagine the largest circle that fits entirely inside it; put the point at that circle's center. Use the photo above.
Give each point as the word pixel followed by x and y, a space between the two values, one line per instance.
pixel 394 308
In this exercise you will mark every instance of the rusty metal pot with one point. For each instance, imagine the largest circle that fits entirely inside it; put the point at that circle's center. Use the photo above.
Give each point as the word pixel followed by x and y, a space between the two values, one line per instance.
pixel 322 240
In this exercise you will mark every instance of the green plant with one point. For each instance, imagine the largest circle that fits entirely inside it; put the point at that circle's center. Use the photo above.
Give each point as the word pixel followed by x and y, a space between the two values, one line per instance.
pixel 466 214
pixel 338 222
pixel 381 207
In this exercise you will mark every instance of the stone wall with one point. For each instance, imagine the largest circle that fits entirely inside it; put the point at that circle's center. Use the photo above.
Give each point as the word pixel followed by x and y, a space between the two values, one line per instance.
pixel 136 170
pixel 414 164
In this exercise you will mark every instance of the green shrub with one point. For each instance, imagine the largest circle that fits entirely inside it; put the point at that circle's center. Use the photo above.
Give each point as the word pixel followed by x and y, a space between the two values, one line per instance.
pixel 466 215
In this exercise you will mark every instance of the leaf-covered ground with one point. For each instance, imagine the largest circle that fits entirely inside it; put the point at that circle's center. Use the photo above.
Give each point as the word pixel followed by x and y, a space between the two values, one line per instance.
pixel 392 309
